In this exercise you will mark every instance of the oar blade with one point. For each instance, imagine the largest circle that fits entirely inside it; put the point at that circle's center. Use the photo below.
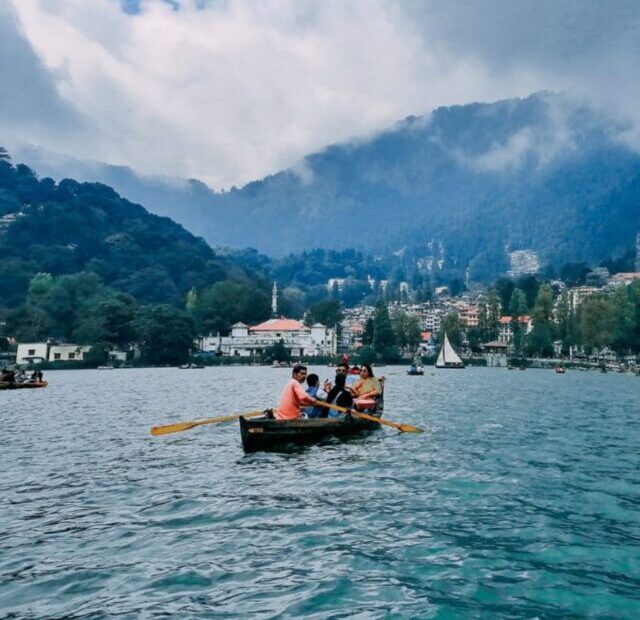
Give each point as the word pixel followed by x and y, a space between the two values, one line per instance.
pixel 407 428
pixel 178 427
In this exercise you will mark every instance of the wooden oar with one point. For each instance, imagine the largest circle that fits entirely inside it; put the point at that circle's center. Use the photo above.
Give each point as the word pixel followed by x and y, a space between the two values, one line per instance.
pixel 404 428
pixel 178 427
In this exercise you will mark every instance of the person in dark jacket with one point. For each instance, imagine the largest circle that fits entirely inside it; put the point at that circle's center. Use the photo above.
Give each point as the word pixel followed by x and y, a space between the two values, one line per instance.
pixel 338 395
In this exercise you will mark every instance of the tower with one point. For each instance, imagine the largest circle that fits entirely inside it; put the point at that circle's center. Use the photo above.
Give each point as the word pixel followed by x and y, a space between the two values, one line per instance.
pixel 274 300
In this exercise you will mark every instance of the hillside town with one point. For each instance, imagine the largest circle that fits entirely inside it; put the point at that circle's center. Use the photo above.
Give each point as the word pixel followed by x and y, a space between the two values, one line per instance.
pixel 476 322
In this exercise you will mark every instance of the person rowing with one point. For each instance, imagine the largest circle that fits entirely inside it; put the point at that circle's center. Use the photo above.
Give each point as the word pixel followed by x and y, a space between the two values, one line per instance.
pixel 293 396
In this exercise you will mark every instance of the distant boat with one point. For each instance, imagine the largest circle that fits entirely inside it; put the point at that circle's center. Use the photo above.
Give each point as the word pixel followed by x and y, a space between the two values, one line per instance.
pixel 560 370
pixel 17 385
pixel 190 366
pixel 277 364
pixel 106 367
pixel 448 358
pixel 416 369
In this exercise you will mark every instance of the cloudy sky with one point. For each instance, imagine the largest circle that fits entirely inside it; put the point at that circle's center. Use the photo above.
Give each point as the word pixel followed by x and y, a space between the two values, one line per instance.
pixel 228 91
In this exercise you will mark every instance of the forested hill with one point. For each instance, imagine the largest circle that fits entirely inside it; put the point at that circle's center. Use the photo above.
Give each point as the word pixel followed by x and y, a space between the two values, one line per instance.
pixel 74 227
pixel 536 173
pixel 479 180
pixel 540 173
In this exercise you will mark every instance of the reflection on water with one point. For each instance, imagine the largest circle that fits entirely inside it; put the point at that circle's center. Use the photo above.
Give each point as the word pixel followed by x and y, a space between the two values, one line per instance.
pixel 521 500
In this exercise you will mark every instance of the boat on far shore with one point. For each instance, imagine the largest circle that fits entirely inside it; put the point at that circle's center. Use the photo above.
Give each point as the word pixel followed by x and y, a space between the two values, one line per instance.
pixel 415 370
pixel 281 365
pixel 21 385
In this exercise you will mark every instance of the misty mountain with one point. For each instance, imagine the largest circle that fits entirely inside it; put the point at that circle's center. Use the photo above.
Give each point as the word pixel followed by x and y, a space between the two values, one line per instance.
pixel 540 173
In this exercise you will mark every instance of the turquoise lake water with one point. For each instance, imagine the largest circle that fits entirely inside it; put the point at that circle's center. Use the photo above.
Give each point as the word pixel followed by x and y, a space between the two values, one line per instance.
pixel 522 500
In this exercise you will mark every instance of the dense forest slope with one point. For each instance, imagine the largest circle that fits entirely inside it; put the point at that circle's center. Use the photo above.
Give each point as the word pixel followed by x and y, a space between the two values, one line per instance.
pixel 74 227
pixel 481 179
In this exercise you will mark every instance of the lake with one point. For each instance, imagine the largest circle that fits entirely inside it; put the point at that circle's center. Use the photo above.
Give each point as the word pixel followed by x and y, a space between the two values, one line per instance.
pixel 521 500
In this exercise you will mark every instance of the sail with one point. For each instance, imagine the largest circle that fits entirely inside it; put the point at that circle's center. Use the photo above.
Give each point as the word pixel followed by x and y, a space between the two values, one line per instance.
pixel 448 357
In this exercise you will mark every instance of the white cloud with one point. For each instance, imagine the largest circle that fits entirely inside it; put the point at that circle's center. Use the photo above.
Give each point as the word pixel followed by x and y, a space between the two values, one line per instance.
pixel 231 91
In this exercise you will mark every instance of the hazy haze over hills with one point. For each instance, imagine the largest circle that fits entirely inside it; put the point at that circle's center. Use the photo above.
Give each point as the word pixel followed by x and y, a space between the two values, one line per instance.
pixel 542 172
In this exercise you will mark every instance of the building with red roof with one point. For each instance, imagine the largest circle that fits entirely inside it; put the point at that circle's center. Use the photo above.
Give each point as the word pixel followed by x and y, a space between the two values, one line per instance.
pixel 297 338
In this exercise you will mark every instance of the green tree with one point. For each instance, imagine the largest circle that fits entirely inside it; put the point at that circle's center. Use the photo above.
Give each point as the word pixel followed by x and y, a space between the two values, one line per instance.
pixel 566 321
pixel 277 352
pixel 65 299
pixel 366 355
pixel 165 334
pixel 192 300
pixel 327 312
pixel 108 320
pixel 225 303
pixel 451 326
pixel 622 315
pixel 407 331
pixel 367 335
pixel 383 336
pixel 504 287
pixel 517 309
pixel 28 323
pixel 488 317
pixel 596 327
pixel 540 339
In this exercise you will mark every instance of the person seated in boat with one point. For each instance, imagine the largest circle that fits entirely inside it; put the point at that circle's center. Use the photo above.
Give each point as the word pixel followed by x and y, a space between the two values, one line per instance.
pixel 20 376
pixel 293 396
pixel 342 368
pixel 317 393
pixel 40 375
pixel 367 387
pixel 338 395
pixel 8 376
pixel 34 377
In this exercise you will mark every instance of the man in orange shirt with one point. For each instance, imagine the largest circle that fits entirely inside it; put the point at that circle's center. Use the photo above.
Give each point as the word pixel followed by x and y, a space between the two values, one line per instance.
pixel 293 396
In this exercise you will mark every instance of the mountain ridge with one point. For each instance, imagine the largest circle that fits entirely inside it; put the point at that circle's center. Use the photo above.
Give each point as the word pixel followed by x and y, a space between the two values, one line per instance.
pixel 540 172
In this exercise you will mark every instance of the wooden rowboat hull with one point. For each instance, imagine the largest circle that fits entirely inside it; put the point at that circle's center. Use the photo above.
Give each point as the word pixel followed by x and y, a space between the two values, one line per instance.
pixel 4 385
pixel 263 434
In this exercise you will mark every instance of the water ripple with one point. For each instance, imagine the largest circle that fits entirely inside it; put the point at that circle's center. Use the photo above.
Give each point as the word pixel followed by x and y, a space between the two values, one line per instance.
pixel 520 501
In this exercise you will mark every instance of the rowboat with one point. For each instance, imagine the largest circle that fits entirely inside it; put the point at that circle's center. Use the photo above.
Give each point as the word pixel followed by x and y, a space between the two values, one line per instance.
pixel 265 433
pixel 6 385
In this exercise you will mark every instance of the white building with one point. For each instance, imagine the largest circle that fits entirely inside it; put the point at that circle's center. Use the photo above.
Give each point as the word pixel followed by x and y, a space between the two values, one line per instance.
pixel 38 352
pixel 67 352
pixel 331 282
pixel 431 320
pixel 505 328
pixel 297 338
pixel 578 294
pixel 32 353
pixel 523 262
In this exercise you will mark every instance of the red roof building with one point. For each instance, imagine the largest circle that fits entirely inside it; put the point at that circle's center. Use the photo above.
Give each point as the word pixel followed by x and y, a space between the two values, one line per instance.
pixel 279 325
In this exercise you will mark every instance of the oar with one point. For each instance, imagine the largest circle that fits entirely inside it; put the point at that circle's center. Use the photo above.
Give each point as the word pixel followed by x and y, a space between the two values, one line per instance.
pixel 178 427
pixel 404 428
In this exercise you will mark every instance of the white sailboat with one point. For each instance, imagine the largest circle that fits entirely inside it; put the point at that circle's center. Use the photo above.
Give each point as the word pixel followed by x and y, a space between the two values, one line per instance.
pixel 448 358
